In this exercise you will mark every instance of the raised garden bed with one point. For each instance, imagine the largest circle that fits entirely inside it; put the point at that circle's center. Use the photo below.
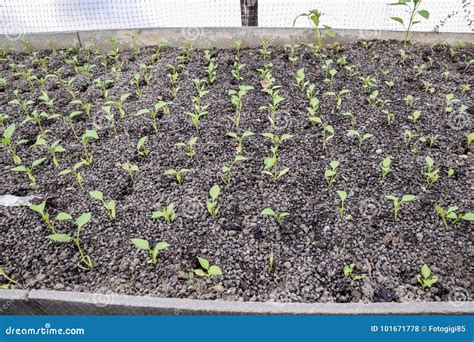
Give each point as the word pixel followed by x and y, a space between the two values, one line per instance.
pixel 301 259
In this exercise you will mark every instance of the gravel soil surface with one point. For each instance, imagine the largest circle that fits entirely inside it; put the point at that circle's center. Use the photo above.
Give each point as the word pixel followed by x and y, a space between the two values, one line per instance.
pixel 310 247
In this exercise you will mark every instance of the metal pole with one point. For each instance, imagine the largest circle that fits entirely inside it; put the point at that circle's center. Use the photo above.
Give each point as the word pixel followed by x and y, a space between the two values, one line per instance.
pixel 249 12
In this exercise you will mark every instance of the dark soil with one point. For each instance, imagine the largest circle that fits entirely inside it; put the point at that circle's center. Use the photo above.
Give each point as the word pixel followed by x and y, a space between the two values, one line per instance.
pixel 312 246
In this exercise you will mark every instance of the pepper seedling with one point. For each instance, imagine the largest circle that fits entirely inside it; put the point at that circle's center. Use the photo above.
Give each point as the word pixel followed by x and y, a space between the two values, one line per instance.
pixel 278 216
pixel 227 169
pixel 131 169
pixel 342 197
pixel 41 209
pixel 236 98
pixel 451 216
pixel 10 281
pixel 110 206
pixel 153 112
pixel 314 17
pixel 338 96
pixel 178 174
pixel 414 116
pixel 212 206
pixel 328 134
pixel 399 202
pixel 119 104
pixel 412 10
pixel 53 149
pixel 360 137
pixel 10 144
pixel 74 170
pixel 236 71
pixel 81 221
pixel 385 167
pixel 28 170
pixel 330 174
pixel 207 270
pixel 240 139
pixel 349 272
pixel 145 245
pixel 273 106
pixel 352 117
pixel 86 137
pixel 431 174
pixel 313 109
pixel 168 213
pixel 426 280
pixel 271 166
pixel 189 147
pixel 300 80
pixel 470 139
pixel 142 150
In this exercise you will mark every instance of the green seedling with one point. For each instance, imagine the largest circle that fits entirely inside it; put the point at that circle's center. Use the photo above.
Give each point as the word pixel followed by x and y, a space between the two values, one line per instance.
pixel 273 106
pixel 110 206
pixel 119 104
pixel 361 137
pixel 238 45
pixel 178 174
pixel 145 245
pixel 237 71
pixel 426 280
pixel 110 117
pixel 86 107
pixel 168 213
pixel 349 272
pixel 69 119
pixel 236 98
pixel 342 197
pixel 352 117
pixel 142 150
pixel 86 137
pixel 277 140
pixel 74 170
pixel 37 118
pixel 81 221
pixel 300 80
pixel 41 209
pixel 10 144
pixel 146 73
pixel 212 206
pixel 207 270
pixel 189 147
pixel 451 216
pixel 240 139
pixel 10 281
pixel 292 56
pixel 271 261
pixel 338 96
pixel 330 174
pixel 399 202
pixel 272 169
pixel 431 174
pixel 385 167
pixel 267 78
pixel 313 110
pixel 53 149
pixel 390 116
pixel 279 217
pixel 410 100
pixel 227 169
pixel 137 82
pixel 131 169
pixel 414 116
pixel 412 8
pixel 314 17
pixel 451 100
pixel 328 134
pixel 104 86
pixel 23 105
pixel 368 83
pixel 470 139
pixel 153 112
pixel 264 50
pixel 173 77
pixel 28 170
pixel 211 70
pixel 450 172
pixel 351 70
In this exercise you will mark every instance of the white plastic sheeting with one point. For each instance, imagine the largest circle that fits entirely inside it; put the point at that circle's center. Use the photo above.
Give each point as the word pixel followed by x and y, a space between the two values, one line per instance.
pixel 445 15
pixel 32 16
